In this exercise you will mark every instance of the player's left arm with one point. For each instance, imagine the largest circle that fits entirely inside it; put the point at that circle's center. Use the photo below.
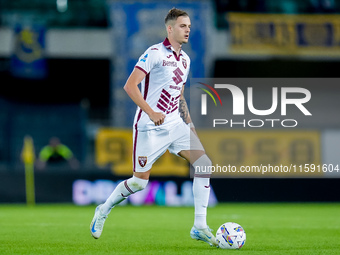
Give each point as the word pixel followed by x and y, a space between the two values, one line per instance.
pixel 184 111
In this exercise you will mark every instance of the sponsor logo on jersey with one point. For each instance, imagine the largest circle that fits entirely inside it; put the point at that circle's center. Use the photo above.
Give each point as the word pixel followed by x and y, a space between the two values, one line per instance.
pixel 169 56
pixel 184 62
pixel 142 160
pixel 169 63
pixel 178 76
pixel 175 87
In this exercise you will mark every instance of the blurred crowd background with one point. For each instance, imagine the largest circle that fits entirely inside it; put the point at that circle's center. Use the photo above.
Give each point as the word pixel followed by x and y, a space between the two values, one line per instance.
pixel 63 64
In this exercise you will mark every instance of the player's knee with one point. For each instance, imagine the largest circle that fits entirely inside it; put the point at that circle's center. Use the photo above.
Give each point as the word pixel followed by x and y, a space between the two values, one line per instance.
pixel 138 184
pixel 204 160
pixel 202 165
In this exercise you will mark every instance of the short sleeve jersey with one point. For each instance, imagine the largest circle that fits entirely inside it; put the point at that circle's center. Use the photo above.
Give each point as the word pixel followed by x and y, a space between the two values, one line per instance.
pixel 166 74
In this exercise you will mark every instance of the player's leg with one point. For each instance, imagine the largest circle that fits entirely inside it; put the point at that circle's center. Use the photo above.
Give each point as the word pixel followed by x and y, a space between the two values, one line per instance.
pixel 201 185
pixel 125 189
pixel 142 163
pixel 188 146
pixel 136 183
pixel 201 190
pixel 120 193
pixel 147 148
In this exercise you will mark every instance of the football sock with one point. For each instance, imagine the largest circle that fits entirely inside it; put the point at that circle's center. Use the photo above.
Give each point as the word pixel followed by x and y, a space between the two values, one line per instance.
pixel 122 191
pixel 201 191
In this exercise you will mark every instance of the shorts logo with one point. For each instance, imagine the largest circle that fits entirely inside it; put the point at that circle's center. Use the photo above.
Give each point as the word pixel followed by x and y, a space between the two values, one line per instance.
pixel 184 62
pixel 142 160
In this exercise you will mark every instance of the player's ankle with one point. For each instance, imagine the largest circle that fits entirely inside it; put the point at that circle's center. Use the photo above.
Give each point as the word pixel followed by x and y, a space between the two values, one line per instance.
pixel 200 221
pixel 200 226
pixel 105 210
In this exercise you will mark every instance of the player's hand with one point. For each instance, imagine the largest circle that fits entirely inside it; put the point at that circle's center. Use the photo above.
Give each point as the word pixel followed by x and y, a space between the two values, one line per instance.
pixel 157 118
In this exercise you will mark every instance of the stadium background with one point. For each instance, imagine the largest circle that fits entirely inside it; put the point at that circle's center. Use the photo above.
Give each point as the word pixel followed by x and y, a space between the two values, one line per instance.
pixel 63 64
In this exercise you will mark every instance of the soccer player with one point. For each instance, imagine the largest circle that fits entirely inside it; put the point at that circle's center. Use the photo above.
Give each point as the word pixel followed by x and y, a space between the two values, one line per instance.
pixel 162 122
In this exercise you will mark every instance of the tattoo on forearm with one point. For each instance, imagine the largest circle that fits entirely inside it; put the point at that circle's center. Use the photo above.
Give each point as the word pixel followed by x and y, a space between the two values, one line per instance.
pixel 184 111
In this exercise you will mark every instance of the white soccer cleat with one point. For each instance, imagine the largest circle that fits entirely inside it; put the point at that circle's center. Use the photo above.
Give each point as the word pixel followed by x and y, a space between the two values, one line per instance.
pixel 204 235
pixel 97 223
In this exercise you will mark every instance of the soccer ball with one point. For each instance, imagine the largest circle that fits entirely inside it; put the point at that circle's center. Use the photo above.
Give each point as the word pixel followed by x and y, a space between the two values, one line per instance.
pixel 230 235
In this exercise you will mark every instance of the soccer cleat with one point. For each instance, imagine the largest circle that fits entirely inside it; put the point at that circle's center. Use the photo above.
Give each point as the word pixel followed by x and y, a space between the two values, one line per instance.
pixel 97 223
pixel 204 235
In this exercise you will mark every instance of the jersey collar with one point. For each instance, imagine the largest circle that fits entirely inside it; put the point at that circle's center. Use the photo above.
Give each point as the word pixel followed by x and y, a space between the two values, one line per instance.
pixel 168 45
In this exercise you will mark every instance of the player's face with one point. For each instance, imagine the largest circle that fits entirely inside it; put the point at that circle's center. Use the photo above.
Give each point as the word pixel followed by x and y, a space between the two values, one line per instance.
pixel 181 29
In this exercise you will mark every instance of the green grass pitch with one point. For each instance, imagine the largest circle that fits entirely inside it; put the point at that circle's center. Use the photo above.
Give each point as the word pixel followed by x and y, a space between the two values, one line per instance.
pixel 280 228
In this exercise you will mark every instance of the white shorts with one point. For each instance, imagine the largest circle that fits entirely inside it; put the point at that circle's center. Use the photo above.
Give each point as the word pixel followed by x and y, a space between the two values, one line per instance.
pixel 149 145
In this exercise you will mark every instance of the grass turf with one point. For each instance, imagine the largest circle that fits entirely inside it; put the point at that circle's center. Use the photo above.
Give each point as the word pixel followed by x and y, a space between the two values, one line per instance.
pixel 271 229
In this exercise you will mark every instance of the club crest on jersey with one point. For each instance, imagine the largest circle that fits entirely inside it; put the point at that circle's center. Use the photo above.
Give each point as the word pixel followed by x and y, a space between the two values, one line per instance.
pixel 142 160
pixel 184 62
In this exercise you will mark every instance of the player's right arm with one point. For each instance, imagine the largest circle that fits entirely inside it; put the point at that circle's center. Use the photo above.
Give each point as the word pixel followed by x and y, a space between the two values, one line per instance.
pixel 131 88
